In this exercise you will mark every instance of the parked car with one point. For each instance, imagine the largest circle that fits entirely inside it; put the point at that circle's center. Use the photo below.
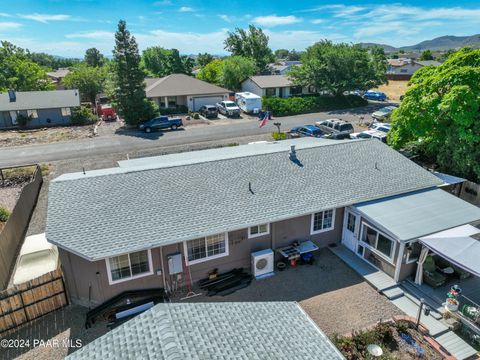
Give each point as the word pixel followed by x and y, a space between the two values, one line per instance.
pixel 370 134
pixel 335 127
pixel 209 111
pixel 37 257
pixel 307 130
pixel 383 113
pixel 375 95
pixel 160 123
pixel 379 126
pixel 107 112
pixel 228 108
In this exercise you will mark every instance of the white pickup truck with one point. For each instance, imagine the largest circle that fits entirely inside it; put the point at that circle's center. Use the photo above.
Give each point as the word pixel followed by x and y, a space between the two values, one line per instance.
pixel 228 108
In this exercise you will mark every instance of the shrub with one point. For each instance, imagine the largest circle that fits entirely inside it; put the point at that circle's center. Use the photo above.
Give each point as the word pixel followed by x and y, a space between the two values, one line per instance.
pixel 82 115
pixel 182 109
pixel 4 214
pixel 279 135
pixel 196 116
pixel 306 104
pixel 23 120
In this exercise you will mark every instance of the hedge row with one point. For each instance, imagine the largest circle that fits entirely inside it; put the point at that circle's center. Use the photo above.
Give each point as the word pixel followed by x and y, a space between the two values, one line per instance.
pixel 309 104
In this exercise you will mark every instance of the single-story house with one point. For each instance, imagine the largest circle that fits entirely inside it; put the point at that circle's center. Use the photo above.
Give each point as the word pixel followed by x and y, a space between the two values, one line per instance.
pixel 404 68
pixel 247 330
pixel 118 229
pixel 274 85
pixel 182 90
pixel 56 77
pixel 45 108
pixel 282 67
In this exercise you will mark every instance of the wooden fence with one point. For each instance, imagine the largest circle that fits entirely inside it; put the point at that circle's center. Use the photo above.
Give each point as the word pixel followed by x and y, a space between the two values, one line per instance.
pixel 14 230
pixel 32 299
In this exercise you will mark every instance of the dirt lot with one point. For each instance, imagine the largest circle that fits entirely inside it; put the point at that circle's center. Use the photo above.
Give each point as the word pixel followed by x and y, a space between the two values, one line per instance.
pixel 45 135
pixel 394 89
pixel 334 296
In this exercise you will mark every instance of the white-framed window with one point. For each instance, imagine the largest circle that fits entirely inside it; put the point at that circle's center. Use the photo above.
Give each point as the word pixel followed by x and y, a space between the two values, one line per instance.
pixel 129 266
pixel 207 248
pixel 32 114
pixel 322 221
pixel 378 242
pixel 258 230
pixel 66 111
pixel 412 250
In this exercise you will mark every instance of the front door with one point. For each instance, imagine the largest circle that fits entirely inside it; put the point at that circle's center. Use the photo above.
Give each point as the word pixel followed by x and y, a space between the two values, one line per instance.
pixel 351 229
pixel 280 92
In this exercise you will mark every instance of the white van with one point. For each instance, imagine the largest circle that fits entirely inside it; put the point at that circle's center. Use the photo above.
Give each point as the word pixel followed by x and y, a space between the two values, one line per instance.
pixel 248 102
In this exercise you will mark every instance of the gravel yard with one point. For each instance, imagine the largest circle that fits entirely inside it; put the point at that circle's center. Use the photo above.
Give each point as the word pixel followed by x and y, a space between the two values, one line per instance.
pixel 334 296
pixel 44 136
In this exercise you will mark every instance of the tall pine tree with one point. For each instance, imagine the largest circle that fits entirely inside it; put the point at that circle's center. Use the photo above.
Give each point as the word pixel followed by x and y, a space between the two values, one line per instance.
pixel 129 84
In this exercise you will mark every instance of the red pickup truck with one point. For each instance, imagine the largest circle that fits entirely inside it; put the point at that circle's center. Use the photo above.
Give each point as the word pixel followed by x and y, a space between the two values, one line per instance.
pixel 107 112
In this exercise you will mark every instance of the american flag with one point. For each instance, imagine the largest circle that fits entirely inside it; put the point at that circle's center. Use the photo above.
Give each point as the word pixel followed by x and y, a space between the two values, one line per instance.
pixel 265 119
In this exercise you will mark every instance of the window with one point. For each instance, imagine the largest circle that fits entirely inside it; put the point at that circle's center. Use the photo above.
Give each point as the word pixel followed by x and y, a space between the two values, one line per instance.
pixel 413 252
pixel 351 219
pixel 207 248
pixel 32 114
pixel 13 116
pixel 129 266
pixel 172 101
pixel 66 111
pixel 270 92
pixel 258 230
pixel 378 242
pixel 311 89
pixel 322 221
pixel 295 90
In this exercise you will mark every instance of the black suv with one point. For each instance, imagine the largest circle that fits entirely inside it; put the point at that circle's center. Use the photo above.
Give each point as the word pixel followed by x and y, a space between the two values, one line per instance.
pixel 209 111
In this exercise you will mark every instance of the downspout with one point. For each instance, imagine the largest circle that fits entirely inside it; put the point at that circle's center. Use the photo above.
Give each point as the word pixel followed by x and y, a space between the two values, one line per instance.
pixel 163 268
pixel 399 263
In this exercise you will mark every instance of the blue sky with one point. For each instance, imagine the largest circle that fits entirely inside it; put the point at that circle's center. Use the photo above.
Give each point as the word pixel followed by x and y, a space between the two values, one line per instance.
pixel 67 28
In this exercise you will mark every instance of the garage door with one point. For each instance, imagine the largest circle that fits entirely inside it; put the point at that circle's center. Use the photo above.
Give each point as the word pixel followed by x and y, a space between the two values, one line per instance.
pixel 198 102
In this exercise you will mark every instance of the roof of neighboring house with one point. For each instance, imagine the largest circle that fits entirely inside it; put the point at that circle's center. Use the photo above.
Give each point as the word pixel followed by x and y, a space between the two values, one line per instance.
pixel 428 62
pixel 180 85
pixel 271 81
pixel 113 211
pixel 59 73
pixel 420 213
pixel 35 100
pixel 247 330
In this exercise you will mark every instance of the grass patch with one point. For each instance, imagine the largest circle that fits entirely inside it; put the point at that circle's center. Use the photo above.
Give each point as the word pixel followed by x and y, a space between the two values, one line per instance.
pixel 4 214
pixel 308 104
pixel 279 135
pixel 18 172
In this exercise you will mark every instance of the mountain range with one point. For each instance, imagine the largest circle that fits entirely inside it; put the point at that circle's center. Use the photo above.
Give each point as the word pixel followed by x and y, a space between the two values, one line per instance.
pixel 442 43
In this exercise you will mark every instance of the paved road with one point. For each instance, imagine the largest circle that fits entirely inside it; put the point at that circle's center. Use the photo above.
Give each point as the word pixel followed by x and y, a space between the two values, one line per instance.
pixel 132 141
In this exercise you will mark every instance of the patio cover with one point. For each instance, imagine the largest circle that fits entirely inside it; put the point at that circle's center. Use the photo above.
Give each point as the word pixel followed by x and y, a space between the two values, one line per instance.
pixel 413 215
pixel 457 246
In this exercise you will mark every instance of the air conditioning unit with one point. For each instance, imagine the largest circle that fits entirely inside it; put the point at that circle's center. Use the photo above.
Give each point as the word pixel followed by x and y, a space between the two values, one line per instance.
pixel 262 263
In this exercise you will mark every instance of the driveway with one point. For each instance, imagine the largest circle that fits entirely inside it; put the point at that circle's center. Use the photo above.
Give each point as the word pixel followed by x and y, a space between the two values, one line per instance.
pixel 332 294
pixel 131 141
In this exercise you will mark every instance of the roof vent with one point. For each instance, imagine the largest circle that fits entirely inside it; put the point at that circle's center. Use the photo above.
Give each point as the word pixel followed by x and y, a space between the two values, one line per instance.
pixel 292 154
pixel 12 96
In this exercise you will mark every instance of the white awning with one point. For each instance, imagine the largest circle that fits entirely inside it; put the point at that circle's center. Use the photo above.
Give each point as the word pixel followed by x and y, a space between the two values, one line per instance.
pixel 460 246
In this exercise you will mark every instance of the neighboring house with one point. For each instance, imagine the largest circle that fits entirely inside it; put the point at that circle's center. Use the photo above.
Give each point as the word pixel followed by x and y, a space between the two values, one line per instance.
pixel 56 77
pixel 274 85
pixel 182 90
pixel 247 330
pixel 45 108
pixel 404 68
pixel 117 228
pixel 282 67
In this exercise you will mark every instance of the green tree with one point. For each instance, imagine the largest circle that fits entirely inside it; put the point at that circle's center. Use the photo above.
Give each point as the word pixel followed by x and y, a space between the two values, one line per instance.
pixel 212 72
pixel 18 72
pixel 426 55
pixel 128 79
pixel 93 57
pixel 281 53
pixel 235 70
pixel 340 67
pixel 87 79
pixel 251 43
pixel 204 59
pixel 50 61
pixel 439 116
pixel 162 62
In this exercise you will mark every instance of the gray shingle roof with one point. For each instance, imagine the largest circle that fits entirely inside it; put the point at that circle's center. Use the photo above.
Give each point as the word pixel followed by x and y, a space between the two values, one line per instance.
pixel 180 85
pixel 34 100
pixel 269 81
pixel 209 331
pixel 122 210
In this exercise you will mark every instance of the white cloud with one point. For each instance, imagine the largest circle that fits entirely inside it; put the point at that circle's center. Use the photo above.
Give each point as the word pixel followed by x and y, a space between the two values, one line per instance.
pixel 45 18
pixel 5 14
pixel 162 3
pixel 7 25
pixel 186 9
pixel 274 20
pixel 299 39
pixel 227 18
pixel 91 35
pixel 317 21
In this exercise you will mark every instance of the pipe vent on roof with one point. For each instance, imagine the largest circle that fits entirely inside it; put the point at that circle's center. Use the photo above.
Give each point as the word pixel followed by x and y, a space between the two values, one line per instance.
pixel 292 154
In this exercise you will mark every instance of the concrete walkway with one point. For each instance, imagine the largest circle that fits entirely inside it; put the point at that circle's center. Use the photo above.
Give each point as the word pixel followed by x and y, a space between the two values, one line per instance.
pixel 408 302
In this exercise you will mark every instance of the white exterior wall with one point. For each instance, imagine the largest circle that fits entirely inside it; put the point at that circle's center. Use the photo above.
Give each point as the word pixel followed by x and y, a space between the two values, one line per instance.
pixel 250 86
pixel 190 98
